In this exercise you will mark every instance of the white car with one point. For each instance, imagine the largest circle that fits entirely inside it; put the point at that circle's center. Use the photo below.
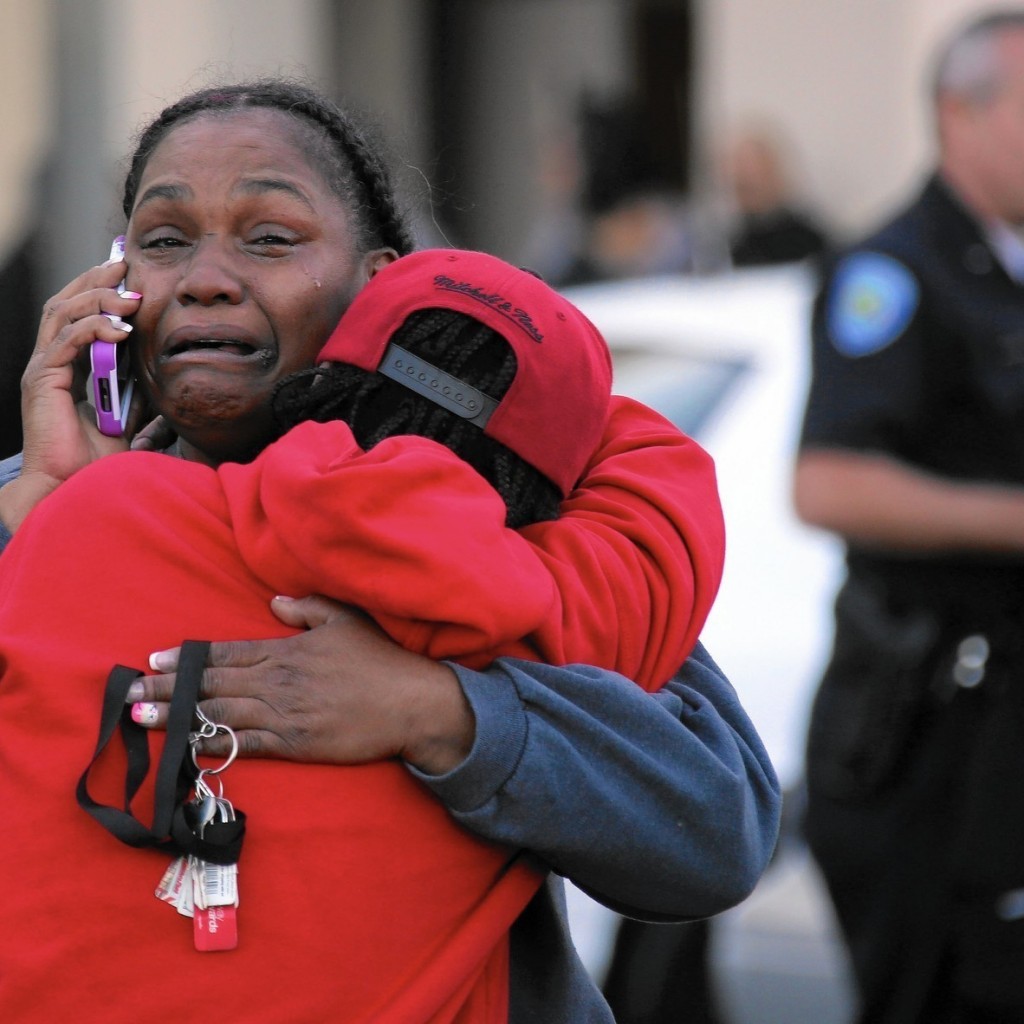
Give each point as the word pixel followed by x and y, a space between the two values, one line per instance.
pixel 726 359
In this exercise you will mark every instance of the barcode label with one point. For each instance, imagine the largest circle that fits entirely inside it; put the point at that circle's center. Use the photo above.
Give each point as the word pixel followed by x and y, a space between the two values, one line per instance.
pixel 215 885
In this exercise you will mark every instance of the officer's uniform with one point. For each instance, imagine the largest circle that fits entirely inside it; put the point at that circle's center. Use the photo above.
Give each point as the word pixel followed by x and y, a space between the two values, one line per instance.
pixel 916 746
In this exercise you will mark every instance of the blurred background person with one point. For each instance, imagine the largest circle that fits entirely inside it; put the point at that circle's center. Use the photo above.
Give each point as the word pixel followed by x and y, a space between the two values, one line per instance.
pixel 610 211
pixel 770 221
pixel 913 452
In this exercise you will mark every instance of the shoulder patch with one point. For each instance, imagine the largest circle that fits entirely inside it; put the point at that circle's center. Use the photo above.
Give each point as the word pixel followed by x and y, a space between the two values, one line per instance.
pixel 871 301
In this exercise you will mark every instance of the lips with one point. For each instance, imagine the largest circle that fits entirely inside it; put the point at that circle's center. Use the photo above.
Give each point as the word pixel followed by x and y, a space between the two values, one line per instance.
pixel 210 344
pixel 219 342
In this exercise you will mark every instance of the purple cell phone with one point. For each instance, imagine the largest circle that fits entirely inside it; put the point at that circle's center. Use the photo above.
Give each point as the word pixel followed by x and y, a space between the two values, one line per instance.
pixel 112 381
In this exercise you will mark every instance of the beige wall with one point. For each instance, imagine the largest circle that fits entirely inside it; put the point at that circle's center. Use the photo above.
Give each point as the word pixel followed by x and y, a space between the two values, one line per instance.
pixel 26 62
pixel 165 50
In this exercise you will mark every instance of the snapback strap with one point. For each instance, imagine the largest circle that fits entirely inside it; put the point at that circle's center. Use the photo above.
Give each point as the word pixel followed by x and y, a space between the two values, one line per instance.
pixel 441 388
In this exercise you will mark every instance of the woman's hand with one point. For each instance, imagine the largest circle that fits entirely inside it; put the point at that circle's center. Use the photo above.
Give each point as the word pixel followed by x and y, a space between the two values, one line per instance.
pixel 59 426
pixel 340 693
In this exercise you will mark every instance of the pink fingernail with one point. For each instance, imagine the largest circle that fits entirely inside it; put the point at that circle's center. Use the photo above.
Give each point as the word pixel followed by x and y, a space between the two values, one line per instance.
pixel 131 295
pixel 144 714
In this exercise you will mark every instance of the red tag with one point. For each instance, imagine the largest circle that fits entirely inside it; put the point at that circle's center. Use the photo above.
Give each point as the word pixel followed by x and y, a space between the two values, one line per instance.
pixel 215 929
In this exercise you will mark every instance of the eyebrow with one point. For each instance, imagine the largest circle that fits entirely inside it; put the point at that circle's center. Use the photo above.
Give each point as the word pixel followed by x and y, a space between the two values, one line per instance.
pixel 251 186
pixel 260 186
pixel 171 192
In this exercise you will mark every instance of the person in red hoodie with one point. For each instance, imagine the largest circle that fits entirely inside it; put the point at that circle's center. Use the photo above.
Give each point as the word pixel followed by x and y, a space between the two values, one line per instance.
pixel 457 557
pixel 373 837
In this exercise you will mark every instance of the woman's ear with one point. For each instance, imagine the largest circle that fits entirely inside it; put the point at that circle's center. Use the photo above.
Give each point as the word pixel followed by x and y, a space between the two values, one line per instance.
pixel 377 260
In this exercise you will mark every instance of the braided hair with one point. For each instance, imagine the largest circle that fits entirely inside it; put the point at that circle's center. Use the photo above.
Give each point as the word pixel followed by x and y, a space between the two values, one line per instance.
pixel 354 168
pixel 376 407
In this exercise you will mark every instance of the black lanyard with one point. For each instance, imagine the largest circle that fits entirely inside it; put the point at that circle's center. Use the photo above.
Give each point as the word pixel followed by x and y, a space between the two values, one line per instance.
pixel 172 827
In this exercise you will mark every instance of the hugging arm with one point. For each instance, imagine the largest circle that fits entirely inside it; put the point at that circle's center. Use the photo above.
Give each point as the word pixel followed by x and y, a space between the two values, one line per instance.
pixel 662 806
pixel 411 534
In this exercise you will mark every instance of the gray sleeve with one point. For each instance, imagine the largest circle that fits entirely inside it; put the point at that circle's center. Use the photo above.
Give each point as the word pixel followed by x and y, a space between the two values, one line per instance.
pixel 9 469
pixel 662 806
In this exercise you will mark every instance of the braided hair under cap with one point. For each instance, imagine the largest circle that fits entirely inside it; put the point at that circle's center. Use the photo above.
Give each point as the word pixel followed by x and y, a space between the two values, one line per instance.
pixel 353 166
pixel 376 407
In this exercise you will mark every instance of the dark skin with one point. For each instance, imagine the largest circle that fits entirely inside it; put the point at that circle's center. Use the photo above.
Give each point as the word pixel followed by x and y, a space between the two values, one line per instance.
pixel 59 427
pixel 240 267
pixel 246 262
pixel 299 700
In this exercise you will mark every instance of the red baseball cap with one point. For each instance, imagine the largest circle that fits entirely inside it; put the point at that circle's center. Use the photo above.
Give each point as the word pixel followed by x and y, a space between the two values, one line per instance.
pixel 554 412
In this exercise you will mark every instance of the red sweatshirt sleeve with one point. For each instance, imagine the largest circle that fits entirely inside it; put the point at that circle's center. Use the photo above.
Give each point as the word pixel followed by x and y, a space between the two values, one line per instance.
pixel 406 531
pixel 415 537
pixel 645 533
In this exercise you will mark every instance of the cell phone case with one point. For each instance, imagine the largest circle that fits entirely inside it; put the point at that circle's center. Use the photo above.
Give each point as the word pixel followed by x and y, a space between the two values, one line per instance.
pixel 112 386
pixel 112 382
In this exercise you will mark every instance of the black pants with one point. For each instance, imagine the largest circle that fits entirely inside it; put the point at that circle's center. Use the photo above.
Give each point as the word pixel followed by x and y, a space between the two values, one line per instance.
pixel 659 974
pixel 915 865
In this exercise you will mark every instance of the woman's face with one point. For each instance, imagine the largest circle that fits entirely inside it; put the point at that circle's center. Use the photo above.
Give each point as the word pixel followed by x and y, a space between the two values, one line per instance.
pixel 245 259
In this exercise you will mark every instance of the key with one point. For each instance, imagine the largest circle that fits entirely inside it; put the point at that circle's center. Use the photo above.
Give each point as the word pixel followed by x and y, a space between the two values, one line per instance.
pixel 214 886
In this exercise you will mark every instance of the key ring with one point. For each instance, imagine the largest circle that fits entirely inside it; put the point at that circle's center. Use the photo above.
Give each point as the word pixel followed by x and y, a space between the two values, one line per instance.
pixel 207 730
pixel 204 790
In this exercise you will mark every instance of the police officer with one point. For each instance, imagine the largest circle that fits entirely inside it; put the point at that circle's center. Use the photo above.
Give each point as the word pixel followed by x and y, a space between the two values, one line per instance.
pixel 913 451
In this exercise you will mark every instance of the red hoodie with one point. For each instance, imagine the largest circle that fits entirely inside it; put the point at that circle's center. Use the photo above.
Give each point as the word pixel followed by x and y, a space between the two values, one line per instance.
pixel 361 900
